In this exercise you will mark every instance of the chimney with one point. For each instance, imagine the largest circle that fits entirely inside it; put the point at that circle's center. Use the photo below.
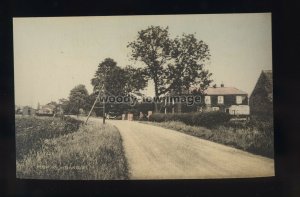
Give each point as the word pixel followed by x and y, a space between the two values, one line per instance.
pixel 222 85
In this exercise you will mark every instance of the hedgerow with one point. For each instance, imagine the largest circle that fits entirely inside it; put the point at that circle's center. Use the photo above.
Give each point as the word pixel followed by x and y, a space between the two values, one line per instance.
pixel 206 119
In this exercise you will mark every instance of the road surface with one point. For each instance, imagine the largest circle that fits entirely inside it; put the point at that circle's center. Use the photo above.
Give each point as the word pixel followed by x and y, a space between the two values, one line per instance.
pixel 154 152
pixel 158 153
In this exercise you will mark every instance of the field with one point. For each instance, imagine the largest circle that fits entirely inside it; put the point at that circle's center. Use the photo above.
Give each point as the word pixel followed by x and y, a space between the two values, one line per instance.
pixel 255 137
pixel 48 148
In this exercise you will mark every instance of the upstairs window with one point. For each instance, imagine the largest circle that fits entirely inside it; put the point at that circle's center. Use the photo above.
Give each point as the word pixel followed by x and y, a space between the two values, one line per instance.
pixel 239 99
pixel 207 100
pixel 220 99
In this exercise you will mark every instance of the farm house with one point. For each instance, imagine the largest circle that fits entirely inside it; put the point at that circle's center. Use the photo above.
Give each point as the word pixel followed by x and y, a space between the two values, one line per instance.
pixel 227 99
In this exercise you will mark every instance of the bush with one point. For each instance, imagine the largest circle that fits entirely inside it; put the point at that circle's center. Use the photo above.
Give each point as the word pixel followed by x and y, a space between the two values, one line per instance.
pixel 207 119
pixel 211 119
pixel 32 131
pixel 94 152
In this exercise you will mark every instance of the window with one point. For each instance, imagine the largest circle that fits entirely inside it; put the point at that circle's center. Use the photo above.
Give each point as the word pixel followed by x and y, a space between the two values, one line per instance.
pixel 220 99
pixel 207 100
pixel 239 99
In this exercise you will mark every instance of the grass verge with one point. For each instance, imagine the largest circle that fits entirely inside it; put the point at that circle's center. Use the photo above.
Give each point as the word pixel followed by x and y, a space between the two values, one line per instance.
pixel 94 152
pixel 32 131
pixel 245 138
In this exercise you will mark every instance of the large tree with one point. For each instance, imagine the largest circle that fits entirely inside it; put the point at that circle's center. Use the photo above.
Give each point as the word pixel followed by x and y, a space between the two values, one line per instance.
pixel 135 79
pixel 173 65
pixel 116 81
pixel 186 69
pixel 110 76
pixel 152 47
pixel 78 98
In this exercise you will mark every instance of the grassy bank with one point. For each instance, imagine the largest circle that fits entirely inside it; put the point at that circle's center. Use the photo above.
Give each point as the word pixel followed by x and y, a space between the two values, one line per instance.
pixel 248 138
pixel 32 131
pixel 93 152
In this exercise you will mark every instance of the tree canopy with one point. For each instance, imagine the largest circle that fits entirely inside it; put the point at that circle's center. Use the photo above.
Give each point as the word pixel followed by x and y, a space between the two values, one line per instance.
pixel 152 47
pixel 173 64
pixel 117 80
pixel 186 69
pixel 78 97
pixel 110 75
pixel 136 79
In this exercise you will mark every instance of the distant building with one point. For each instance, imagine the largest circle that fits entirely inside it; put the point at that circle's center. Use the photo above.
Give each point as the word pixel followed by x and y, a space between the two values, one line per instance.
pixel 18 109
pixel 28 111
pixel 46 110
pixel 261 99
pixel 227 99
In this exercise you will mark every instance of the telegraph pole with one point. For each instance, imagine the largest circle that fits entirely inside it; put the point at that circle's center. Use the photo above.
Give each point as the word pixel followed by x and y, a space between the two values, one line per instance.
pixel 103 101
pixel 104 96
pixel 103 106
pixel 93 106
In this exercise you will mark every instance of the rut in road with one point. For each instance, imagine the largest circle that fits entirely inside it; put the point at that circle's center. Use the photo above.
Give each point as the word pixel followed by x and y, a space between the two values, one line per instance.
pixel 158 153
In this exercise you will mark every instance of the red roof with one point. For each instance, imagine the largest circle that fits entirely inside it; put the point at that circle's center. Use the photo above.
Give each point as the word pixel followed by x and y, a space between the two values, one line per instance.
pixel 223 91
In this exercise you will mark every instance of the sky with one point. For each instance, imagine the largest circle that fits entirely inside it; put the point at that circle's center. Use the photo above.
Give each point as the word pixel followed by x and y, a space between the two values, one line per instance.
pixel 54 54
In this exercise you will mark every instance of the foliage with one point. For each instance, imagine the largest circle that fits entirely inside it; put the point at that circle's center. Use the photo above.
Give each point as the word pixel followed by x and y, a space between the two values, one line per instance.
pixel 65 105
pixel 211 119
pixel 110 75
pixel 187 66
pixel 31 131
pixel 152 47
pixel 206 119
pixel 256 138
pixel 118 81
pixel 78 98
pixel 93 152
pixel 135 79
pixel 144 107
pixel 173 65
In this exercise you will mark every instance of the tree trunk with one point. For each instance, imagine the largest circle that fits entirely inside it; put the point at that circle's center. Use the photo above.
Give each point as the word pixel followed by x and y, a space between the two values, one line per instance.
pixel 179 107
pixel 179 104
pixel 156 95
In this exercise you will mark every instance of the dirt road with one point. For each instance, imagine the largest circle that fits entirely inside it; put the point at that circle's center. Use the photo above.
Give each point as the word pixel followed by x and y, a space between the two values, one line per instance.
pixel 158 153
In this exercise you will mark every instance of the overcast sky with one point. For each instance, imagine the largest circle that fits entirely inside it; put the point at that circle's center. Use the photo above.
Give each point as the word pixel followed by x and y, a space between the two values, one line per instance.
pixel 54 54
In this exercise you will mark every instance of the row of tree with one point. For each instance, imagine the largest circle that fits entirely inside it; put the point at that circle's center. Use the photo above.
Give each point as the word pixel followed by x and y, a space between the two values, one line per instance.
pixel 174 65
pixel 80 101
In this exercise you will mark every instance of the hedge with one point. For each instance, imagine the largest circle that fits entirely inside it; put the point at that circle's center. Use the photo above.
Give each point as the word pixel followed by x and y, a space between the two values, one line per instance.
pixel 206 119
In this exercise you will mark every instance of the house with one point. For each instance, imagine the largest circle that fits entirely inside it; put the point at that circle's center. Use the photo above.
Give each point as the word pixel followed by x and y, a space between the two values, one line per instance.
pixel 46 110
pixel 28 111
pixel 261 99
pixel 227 99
